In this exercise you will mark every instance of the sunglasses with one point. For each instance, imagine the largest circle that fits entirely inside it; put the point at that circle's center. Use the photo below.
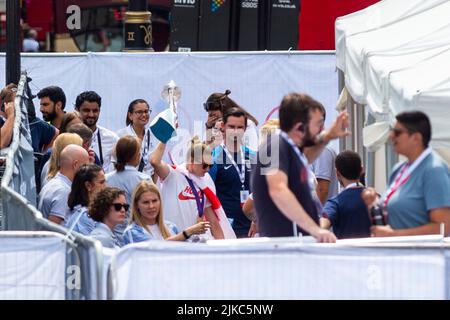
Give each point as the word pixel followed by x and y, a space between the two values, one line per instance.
pixel 118 206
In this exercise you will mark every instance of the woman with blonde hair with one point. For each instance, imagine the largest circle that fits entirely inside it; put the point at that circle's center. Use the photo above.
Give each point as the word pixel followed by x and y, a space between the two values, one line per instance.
pixel 189 192
pixel 147 220
pixel 51 167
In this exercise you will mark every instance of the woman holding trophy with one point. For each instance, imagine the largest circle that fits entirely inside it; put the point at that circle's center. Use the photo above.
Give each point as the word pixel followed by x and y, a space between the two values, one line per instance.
pixel 188 191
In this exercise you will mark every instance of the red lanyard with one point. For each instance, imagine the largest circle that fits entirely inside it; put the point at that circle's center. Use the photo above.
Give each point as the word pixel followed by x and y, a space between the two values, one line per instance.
pixel 397 184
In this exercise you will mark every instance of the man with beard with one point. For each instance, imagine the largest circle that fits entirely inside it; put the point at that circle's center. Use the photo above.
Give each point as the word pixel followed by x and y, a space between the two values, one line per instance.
pixel 88 104
pixel 281 182
pixel 231 170
pixel 53 102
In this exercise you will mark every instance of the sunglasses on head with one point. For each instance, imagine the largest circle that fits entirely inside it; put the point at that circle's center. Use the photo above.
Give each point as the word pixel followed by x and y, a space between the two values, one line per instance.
pixel 118 206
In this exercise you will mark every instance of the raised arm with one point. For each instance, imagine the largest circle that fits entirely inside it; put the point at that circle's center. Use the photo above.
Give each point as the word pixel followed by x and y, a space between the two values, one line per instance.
pixel 161 168
pixel 337 130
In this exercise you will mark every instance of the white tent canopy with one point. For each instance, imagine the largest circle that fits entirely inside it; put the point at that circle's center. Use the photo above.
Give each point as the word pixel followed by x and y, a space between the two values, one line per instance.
pixel 398 61
pixel 374 17
pixel 380 65
pixel 389 37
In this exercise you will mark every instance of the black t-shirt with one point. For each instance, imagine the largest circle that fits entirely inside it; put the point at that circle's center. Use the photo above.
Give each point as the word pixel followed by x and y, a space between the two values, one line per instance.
pixel 2 122
pixel 271 221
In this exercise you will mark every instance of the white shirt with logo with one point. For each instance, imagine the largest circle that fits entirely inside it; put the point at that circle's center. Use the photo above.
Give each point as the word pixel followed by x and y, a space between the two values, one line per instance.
pixel 180 206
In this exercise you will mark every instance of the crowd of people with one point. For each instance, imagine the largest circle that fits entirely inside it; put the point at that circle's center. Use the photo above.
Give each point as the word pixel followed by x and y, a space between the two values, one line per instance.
pixel 233 184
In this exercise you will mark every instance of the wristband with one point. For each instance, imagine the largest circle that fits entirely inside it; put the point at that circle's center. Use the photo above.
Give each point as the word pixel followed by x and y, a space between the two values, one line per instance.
pixel 186 235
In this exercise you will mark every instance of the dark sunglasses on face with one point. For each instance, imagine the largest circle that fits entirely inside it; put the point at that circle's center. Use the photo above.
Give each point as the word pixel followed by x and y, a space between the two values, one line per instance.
pixel 118 206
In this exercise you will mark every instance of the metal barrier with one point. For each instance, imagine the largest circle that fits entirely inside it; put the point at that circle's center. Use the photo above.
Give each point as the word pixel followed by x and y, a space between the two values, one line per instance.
pixel 18 197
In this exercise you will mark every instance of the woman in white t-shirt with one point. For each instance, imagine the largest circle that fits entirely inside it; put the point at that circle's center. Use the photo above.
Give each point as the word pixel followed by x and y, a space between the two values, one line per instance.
pixel 185 203
pixel 147 220
pixel 138 117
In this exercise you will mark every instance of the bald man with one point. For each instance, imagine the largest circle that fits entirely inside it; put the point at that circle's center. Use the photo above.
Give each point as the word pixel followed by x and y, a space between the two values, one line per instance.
pixel 53 196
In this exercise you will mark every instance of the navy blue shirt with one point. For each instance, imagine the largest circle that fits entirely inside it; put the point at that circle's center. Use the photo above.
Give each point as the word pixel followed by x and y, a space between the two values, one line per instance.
pixel 228 185
pixel 348 214
pixel 271 221
pixel 42 134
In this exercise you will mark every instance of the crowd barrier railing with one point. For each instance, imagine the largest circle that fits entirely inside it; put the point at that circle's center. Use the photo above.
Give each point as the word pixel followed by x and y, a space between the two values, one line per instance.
pixel 18 198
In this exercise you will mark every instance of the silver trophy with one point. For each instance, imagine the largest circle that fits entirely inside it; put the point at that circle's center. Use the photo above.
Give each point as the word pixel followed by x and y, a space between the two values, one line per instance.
pixel 171 93
pixel 164 125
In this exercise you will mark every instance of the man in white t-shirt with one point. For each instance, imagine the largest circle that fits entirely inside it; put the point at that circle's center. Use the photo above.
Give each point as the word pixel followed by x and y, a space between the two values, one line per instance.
pixel 184 202
pixel 88 104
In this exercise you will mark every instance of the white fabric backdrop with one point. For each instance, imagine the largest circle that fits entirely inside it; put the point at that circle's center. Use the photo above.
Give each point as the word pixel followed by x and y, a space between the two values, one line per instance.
pixel 257 81
pixel 32 267
pixel 162 270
